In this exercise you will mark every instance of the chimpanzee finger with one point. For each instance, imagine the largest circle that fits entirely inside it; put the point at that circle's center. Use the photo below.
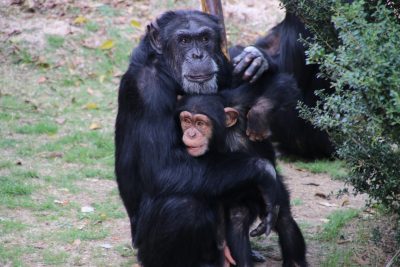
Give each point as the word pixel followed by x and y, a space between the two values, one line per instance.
pixel 260 229
pixel 271 219
pixel 252 136
pixel 263 67
pixel 238 58
pixel 242 65
pixel 253 68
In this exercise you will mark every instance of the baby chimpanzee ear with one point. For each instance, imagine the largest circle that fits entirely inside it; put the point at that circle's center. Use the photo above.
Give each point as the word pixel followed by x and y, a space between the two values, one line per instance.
pixel 231 116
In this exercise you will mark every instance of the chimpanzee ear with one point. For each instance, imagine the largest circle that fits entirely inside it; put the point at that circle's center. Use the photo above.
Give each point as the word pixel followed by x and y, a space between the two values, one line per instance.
pixel 231 116
pixel 154 35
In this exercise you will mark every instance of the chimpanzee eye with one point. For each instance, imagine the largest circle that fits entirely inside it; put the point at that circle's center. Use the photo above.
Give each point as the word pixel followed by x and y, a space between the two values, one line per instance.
pixel 184 39
pixel 205 38
pixel 200 124
pixel 187 122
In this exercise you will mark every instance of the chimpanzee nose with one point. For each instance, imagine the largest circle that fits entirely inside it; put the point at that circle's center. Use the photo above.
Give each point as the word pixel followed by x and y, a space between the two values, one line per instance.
pixel 191 133
pixel 197 54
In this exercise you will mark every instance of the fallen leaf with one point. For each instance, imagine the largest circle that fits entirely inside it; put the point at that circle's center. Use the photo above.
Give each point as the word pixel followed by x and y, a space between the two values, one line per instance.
pixel 118 74
pixel 345 202
pixel 95 126
pixel 136 24
pixel 327 204
pixel 40 245
pixel 106 246
pixel 361 260
pixel 91 106
pixel 60 121
pixel 107 44
pixel 343 241
pixel 102 78
pixel 80 20
pixel 91 43
pixel 321 195
pixel 313 184
pixel 87 209
pixel 54 155
pixel 61 202
pixel 42 79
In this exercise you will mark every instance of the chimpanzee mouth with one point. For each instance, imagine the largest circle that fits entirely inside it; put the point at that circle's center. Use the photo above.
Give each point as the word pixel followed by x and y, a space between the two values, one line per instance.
pixel 194 149
pixel 200 78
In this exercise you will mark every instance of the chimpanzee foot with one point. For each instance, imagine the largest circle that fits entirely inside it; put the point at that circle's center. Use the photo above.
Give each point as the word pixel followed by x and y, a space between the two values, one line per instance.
pixel 256 256
pixel 267 223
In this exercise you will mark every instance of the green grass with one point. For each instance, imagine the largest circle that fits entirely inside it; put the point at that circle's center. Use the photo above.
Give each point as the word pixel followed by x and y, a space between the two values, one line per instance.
pixel 38 128
pixel 296 202
pixel 335 169
pixel 338 257
pixel 6 164
pixel 9 226
pixel 13 255
pixel 337 220
pixel 125 250
pixel 11 187
pixel 70 235
pixel 52 257
pixel 55 41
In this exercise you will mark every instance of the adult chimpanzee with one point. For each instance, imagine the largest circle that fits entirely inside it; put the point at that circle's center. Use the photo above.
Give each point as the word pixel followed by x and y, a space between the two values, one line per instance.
pixel 165 191
pixel 204 117
pixel 286 54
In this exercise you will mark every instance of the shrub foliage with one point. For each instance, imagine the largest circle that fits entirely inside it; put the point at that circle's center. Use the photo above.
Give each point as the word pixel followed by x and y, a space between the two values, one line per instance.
pixel 358 48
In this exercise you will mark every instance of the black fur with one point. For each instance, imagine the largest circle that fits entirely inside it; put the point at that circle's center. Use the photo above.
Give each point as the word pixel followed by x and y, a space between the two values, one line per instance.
pixel 169 195
pixel 241 208
pixel 286 55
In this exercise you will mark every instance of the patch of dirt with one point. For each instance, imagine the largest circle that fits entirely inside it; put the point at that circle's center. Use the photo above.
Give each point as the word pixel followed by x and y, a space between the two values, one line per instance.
pixel 317 193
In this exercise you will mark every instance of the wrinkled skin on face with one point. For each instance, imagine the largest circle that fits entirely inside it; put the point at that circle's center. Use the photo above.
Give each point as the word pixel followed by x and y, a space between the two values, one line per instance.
pixel 197 132
pixel 191 49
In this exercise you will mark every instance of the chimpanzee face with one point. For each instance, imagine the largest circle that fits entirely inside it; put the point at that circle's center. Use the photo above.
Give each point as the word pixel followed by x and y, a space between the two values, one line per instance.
pixel 190 46
pixel 197 132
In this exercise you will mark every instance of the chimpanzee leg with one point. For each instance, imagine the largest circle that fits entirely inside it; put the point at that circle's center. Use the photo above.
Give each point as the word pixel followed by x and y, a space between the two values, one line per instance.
pixel 178 232
pixel 291 240
pixel 237 234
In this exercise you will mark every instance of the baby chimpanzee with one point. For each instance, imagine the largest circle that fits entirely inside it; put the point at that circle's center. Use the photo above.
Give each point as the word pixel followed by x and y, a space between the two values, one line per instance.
pixel 211 131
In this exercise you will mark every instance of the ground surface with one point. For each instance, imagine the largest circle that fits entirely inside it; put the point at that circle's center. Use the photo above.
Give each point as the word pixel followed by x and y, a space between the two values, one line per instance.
pixel 61 62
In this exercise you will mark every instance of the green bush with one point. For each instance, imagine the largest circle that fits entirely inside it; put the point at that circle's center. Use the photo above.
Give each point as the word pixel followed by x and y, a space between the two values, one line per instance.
pixel 360 53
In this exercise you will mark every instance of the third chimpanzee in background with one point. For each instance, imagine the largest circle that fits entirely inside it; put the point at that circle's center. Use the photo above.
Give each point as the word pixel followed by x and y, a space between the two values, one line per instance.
pixel 286 54
pixel 210 131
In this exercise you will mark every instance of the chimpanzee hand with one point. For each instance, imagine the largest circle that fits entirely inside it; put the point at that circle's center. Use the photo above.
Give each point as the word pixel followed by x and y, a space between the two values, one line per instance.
pixel 252 62
pixel 257 120
pixel 267 223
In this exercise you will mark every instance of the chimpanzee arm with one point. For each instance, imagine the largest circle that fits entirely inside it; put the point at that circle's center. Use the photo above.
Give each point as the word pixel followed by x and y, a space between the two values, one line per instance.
pixel 279 93
pixel 145 105
pixel 221 175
